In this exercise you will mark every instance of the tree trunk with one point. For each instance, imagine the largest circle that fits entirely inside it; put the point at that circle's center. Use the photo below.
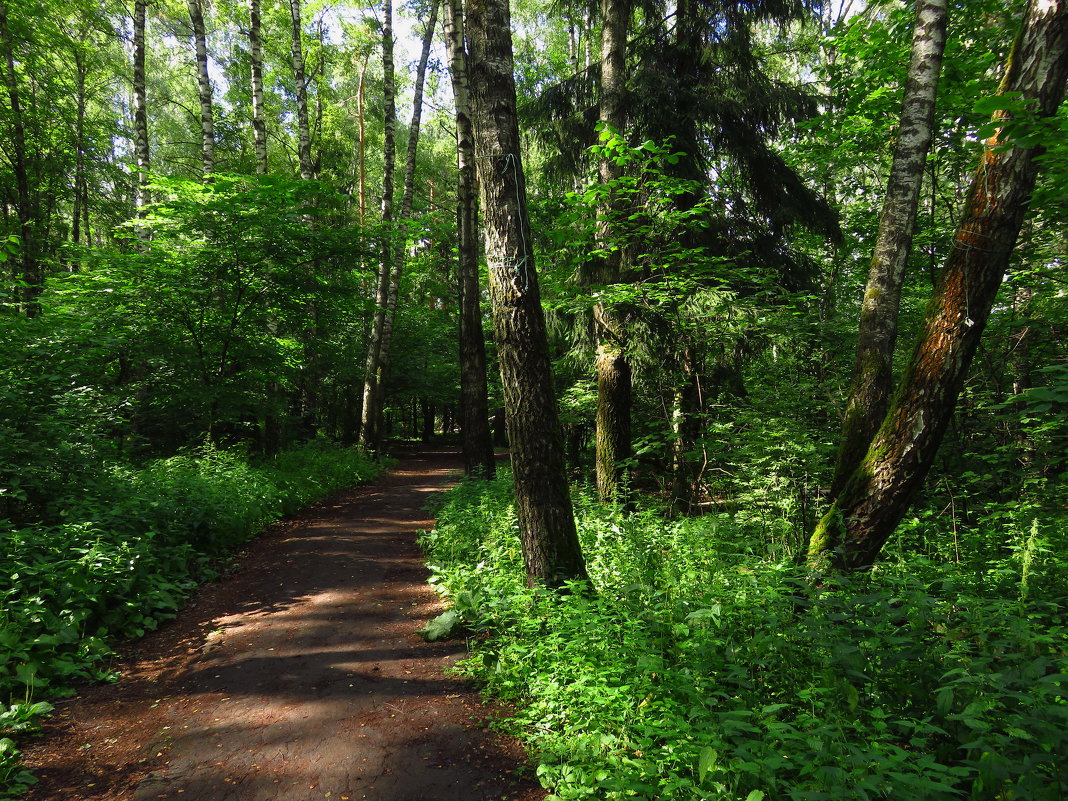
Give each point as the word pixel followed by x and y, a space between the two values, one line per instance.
pixel 361 154
pixel 873 372
pixel 141 154
pixel 613 445
pixel 371 414
pixel 303 129
pixel 207 124
pixel 474 405
pixel 543 505
pixel 31 278
pixel 393 253
pixel 878 492
pixel 259 119
pixel 80 194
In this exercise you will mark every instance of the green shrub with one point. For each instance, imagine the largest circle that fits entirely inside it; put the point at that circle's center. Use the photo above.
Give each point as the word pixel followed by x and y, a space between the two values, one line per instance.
pixel 705 669
pixel 69 592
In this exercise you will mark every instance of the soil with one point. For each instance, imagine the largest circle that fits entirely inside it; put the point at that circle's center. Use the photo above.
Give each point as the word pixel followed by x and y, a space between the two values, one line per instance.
pixel 298 676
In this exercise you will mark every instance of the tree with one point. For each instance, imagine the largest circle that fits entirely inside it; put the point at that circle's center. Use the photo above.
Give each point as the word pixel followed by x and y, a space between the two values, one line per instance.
pixel 872 382
pixel 207 124
pixel 141 151
pixel 392 264
pixel 307 169
pixel 543 505
pixel 31 277
pixel 877 493
pixel 370 411
pixel 259 122
pixel 474 406
pixel 612 364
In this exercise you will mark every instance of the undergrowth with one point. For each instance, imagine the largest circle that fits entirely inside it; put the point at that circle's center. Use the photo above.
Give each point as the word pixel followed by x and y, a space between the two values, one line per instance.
pixel 703 668
pixel 133 547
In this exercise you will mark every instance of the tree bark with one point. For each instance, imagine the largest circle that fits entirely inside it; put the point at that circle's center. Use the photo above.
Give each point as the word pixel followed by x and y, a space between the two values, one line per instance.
pixel 259 120
pixel 474 404
pixel 878 492
pixel 393 265
pixel 371 414
pixel 407 194
pixel 307 171
pixel 543 505
pixel 141 152
pixel 31 277
pixel 873 372
pixel 207 124
pixel 613 442
pixel 80 193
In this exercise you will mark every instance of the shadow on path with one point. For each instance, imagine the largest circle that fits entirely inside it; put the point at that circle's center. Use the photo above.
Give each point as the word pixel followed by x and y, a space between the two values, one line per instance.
pixel 297 677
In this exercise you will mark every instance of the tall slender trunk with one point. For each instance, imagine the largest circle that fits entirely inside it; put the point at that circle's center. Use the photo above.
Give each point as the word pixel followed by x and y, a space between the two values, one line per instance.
pixel 259 120
pixel 207 123
pixel 80 195
pixel 474 404
pixel 371 414
pixel 613 444
pixel 396 260
pixel 551 549
pixel 361 153
pixel 141 153
pixel 307 171
pixel 878 492
pixel 873 372
pixel 31 277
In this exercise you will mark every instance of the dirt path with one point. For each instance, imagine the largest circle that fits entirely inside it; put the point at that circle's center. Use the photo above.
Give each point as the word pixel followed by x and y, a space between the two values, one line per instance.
pixel 297 677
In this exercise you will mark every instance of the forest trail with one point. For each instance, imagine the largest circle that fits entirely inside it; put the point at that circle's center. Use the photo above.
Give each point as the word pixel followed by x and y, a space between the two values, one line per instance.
pixel 299 676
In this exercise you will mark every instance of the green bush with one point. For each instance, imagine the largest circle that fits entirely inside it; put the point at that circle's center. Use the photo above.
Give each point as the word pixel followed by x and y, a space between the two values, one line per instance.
pixel 704 669
pixel 69 592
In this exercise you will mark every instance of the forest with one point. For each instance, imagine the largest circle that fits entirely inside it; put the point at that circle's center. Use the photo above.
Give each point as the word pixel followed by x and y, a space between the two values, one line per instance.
pixel 766 299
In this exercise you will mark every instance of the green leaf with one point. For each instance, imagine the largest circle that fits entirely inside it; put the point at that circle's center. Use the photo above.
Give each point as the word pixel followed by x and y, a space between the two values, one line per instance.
pixel 441 627
pixel 706 761
pixel 756 795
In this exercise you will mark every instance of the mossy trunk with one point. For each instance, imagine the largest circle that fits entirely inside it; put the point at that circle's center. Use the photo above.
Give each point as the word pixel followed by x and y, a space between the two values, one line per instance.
pixel 877 493
pixel 872 383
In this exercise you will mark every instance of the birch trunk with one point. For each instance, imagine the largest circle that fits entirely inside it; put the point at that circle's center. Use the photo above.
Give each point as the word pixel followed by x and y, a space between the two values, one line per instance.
pixel 307 171
pixel 371 414
pixel 207 124
pixel 141 153
pixel 474 405
pixel 259 121
pixel 878 492
pixel 381 349
pixel 873 372
pixel 551 549
pixel 80 193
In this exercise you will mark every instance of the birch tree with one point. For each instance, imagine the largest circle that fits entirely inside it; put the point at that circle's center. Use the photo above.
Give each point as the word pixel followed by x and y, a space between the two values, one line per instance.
pixel 877 493
pixel 141 153
pixel 307 171
pixel 393 252
pixel 207 124
pixel 872 382
pixel 259 122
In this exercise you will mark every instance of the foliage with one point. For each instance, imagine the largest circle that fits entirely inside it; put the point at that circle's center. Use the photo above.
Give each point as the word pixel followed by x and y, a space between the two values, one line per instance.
pixel 131 550
pixel 706 666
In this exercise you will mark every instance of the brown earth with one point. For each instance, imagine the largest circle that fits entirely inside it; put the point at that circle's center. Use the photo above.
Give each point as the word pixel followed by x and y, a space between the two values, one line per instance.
pixel 299 676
